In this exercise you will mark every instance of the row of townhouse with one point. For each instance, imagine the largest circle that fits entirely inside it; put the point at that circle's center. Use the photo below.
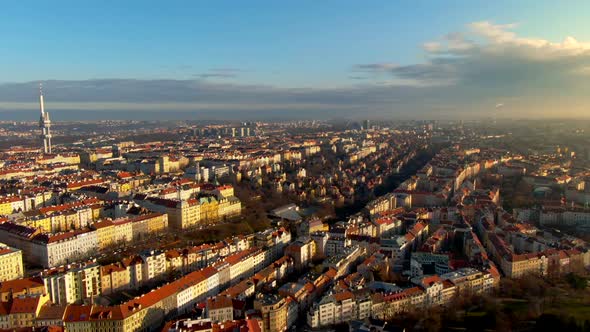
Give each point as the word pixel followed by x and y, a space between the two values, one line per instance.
pixel 66 158
pixel 564 216
pixel 8 173
pixel 63 221
pixel 76 283
pixel 224 306
pixel 187 213
pixel 194 258
pixel 276 239
pixel 545 262
pixel 26 202
pixel 148 312
pixel 128 229
pixel 81 282
pixel 63 217
pixel 381 204
pixel 379 224
pixel 148 267
pixel 50 250
pixel 135 271
pixel 351 304
pixel 279 311
pixel 30 169
pixel 341 307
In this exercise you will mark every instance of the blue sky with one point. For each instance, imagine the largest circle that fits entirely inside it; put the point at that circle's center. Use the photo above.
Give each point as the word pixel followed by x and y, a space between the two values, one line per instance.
pixel 283 45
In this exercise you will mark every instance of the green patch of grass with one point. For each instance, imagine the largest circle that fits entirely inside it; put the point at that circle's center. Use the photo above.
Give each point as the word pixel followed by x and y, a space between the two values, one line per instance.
pixel 574 307
pixel 475 314
pixel 515 305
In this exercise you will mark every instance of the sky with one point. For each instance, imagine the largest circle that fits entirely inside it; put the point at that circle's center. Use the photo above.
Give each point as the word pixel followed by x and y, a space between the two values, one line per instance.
pixel 373 59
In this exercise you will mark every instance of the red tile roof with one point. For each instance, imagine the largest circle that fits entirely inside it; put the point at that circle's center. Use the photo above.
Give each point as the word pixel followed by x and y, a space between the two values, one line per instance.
pixel 24 305
pixel 19 285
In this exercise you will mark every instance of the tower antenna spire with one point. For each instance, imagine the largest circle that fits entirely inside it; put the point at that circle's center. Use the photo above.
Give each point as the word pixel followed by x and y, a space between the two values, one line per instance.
pixel 44 123
pixel 41 102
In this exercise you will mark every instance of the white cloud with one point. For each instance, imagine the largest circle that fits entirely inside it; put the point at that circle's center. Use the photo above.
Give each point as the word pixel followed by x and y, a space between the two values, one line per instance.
pixel 492 51
pixel 501 38
pixel 465 74
pixel 494 32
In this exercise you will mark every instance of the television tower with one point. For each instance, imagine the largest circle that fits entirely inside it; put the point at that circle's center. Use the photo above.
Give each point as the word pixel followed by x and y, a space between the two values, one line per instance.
pixel 44 123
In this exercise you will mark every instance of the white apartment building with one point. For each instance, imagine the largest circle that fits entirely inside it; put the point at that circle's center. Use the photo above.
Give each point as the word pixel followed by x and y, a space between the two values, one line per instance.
pixel 72 283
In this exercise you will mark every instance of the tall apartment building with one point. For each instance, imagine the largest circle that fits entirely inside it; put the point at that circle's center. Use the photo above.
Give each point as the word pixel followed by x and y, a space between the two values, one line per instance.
pixel 72 283
pixel 274 312
pixel 49 250
pixel 154 264
pixel 114 278
pixel 182 214
pixel 11 263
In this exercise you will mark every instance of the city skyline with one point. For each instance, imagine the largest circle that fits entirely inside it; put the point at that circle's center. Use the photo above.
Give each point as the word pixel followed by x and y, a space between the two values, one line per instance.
pixel 328 60
pixel 264 166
